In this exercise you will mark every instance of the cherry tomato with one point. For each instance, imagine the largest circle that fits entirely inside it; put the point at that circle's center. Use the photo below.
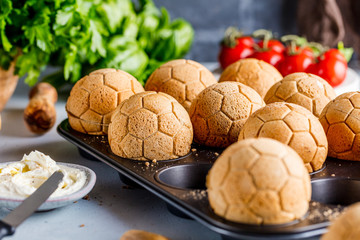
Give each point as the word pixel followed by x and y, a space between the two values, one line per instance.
pixel 269 56
pixel 272 44
pixel 296 61
pixel 242 49
pixel 331 66
pixel 270 51
pixel 306 50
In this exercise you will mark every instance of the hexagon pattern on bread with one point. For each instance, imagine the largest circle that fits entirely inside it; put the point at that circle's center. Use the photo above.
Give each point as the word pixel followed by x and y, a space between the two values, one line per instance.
pixel 341 122
pixel 181 79
pixel 219 112
pixel 305 89
pixel 150 126
pixel 346 226
pixel 293 125
pixel 252 72
pixel 94 97
pixel 259 181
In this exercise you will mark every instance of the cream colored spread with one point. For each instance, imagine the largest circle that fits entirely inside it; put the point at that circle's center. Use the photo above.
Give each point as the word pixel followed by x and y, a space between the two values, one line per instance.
pixel 20 179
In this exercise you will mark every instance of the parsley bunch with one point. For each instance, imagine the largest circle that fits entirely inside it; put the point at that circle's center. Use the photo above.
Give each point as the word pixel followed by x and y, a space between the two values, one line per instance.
pixel 83 35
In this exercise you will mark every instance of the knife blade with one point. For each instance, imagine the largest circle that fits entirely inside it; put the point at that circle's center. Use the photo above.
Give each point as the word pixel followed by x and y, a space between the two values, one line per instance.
pixel 29 205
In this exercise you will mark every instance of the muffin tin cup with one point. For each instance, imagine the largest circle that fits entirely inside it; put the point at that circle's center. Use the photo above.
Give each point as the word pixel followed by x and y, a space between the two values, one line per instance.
pixel 181 184
pixel 336 191
pixel 184 176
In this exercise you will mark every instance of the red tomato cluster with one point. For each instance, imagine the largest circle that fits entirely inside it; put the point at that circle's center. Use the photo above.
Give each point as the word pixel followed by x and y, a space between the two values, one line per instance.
pixel 330 65
pixel 272 52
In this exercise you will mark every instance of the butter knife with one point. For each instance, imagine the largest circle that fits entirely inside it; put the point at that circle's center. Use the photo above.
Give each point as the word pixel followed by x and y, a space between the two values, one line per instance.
pixel 29 205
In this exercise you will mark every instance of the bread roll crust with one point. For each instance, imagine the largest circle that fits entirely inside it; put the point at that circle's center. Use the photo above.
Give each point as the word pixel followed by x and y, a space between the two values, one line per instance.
pixel 305 89
pixel 293 125
pixel 259 181
pixel 150 126
pixel 93 99
pixel 182 79
pixel 254 73
pixel 341 122
pixel 220 111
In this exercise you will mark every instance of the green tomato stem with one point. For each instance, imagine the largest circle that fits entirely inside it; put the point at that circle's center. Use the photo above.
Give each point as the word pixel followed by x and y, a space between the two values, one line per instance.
pixel 231 34
pixel 266 35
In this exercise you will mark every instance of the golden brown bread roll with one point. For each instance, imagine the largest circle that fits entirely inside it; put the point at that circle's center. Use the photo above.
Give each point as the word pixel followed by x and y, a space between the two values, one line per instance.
pixel 305 89
pixel 94 98
pixel 252 72
pixel 141 235
pixel 259 181
pixel 293 125
pixel 150 126
pixel 219 112
pixel 341 122
pixel 181 79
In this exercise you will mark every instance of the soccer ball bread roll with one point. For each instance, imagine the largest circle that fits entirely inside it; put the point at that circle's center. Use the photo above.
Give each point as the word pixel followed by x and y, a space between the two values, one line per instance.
pixel 150 126
pixel 94 98
pixel 293 125
pixel 219 112
pixel 181 79
pixel 341 122
pixel 141 235
pixel 259 181
pixel 305 89
pixel 252 72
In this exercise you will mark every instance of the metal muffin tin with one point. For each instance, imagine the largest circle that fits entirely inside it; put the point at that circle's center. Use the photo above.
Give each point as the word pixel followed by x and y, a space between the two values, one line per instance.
pixel 181 184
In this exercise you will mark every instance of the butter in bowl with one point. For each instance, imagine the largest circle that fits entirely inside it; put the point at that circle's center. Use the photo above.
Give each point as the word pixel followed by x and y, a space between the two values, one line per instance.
pixel 20 179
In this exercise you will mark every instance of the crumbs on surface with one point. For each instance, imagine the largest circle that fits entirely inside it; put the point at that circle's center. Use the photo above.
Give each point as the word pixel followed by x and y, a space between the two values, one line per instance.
pixel 320 212
pixel 196 194
pixel 82 225
pixel 86 197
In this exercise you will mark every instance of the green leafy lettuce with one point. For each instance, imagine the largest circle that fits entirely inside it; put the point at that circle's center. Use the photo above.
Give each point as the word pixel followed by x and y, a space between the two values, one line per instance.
pixel 83 35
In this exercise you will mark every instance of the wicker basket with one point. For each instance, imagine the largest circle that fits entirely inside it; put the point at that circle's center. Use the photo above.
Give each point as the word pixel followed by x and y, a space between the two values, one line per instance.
pixel 8 83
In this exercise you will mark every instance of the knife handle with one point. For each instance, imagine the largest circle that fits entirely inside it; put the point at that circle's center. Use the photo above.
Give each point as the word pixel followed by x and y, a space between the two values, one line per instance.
pixel 6 229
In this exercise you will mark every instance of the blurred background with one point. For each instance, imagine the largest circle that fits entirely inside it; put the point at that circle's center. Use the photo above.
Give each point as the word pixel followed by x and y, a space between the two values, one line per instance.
pixel 135 36
pixel 330 21
pixel 210 18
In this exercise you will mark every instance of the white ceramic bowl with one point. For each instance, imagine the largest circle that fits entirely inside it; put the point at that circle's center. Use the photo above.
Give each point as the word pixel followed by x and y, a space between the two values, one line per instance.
pixel 56 202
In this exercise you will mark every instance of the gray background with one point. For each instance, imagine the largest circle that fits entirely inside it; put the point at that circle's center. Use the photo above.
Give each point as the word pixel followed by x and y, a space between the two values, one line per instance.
pixel 210 18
